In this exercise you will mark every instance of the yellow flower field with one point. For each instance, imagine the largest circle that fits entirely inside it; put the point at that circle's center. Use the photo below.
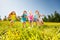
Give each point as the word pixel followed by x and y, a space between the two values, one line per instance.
pixel 51 23
pixel 49 31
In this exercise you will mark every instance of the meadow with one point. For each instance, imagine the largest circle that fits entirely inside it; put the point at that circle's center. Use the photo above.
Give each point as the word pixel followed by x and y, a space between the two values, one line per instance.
pixel 49 31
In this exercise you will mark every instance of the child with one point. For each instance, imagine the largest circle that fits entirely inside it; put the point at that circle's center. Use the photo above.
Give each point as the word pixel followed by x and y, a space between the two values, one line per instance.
pixel 37 18
pixel 40 20
pixel 23 19
pixel 30 17
pixel 12 17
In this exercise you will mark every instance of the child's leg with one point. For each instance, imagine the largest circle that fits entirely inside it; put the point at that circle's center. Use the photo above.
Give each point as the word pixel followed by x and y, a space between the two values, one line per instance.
pixel 24 24
pixel 31 23
pixel 41 23
pixel 36 23
pixel 11 22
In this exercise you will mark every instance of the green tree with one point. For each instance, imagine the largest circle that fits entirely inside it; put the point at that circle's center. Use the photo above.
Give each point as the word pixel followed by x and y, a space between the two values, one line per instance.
pixel 5 18
pixel 57 16
pixel 0 18
pixel 18 18
pixel 45 19
pixel 53 17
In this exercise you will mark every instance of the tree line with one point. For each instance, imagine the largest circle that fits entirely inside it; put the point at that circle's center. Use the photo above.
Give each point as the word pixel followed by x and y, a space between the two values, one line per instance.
pixel 55 17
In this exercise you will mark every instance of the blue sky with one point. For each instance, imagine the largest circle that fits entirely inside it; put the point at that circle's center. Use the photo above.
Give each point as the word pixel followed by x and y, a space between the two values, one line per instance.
pixel 44 6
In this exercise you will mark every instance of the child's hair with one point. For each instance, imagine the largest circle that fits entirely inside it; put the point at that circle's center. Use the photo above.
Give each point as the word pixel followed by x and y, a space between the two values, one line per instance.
pixel 30 12
pixel 37 12
pixel 24 12
pixel 12 13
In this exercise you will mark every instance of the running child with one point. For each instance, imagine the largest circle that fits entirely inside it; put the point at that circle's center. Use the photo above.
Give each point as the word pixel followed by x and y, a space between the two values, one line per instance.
pixel 24 18
pixel 30 17
pixel 40 20
pixel 12 17
pixel 37 18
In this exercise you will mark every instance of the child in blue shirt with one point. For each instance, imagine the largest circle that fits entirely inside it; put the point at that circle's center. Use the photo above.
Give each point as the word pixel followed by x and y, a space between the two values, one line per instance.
pixel 37 18
pixel 24 18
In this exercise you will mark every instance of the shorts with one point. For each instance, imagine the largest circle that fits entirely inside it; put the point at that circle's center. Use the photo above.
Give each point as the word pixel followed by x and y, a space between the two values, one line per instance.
pixel 30 21
pixel 40 20
pixel 23 20
pixel 35 19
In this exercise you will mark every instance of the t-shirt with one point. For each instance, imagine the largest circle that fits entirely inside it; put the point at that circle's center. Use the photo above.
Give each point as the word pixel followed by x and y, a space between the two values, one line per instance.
pixel 30 17
pixel 36 16
pixel 13 17
pixel 24 17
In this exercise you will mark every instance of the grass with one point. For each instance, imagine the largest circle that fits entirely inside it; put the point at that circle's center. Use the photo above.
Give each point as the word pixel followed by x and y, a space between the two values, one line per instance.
pixel 49 31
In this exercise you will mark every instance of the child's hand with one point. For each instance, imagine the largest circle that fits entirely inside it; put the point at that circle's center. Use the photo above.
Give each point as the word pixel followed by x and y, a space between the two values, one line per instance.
pixel 26 16
pixel 42 15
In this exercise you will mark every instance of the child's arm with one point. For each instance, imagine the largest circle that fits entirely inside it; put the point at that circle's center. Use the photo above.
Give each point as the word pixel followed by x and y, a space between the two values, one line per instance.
pixel 26 16
pixel 41 15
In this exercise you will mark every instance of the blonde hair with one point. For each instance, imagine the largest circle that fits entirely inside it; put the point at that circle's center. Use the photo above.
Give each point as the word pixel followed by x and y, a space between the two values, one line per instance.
pixel 37 11
pixel 12 13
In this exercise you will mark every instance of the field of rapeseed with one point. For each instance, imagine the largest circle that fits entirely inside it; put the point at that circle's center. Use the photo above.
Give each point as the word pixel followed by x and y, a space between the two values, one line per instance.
pixel 49 31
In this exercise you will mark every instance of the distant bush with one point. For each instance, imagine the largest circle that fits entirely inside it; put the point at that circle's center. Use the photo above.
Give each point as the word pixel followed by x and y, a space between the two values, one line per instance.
pixel 52 18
